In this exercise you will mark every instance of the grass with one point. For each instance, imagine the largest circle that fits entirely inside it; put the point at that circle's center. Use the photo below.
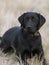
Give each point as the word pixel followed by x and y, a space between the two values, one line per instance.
pixel 10 58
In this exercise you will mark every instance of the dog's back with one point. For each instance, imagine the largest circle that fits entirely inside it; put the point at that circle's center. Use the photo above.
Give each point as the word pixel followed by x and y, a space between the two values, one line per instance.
pixel 11 33
pixel 9 37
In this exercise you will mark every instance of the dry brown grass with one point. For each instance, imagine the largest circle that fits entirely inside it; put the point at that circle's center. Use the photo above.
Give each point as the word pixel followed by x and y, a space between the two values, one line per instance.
pixel 10 10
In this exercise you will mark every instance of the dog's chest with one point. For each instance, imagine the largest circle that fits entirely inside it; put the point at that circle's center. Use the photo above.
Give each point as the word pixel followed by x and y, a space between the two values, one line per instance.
pixel 28 43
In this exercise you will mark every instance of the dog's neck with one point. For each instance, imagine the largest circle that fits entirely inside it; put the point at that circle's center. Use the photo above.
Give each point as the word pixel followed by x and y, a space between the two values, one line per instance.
pixel 30 35
pixel 33 35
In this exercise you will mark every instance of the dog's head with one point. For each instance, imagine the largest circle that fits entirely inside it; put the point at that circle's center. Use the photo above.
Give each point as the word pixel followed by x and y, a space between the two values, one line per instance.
pixel 31 21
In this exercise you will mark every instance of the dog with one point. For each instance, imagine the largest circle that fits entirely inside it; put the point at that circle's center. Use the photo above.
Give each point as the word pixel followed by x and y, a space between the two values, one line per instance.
pixel 25 39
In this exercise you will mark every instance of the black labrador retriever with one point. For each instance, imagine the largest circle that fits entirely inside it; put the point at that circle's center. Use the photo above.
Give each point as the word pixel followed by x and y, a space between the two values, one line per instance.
pixel 25 40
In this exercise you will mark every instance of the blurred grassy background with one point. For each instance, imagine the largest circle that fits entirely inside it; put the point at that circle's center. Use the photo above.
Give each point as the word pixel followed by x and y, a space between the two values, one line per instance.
pixel 10 10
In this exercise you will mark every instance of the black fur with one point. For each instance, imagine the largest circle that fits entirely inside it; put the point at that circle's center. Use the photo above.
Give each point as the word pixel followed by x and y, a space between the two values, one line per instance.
pixel 23 38
pixel 0 40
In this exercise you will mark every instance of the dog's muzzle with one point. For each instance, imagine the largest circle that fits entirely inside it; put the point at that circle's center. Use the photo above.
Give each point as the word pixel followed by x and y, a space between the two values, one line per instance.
pixel 30 30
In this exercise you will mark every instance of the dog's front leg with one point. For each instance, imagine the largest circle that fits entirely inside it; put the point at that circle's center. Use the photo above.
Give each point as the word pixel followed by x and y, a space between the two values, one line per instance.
pixel 24 60
pixel 44 61
pixel 42 58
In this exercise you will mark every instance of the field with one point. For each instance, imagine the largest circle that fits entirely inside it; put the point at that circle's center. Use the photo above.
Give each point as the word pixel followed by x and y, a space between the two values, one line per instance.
pixel 10 10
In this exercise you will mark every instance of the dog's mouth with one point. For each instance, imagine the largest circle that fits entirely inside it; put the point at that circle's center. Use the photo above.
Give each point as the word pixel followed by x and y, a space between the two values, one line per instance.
pixel 30 31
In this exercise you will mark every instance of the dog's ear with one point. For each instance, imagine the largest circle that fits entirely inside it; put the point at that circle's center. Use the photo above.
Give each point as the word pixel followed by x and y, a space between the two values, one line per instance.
pixel 41 20
pixel 21 19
